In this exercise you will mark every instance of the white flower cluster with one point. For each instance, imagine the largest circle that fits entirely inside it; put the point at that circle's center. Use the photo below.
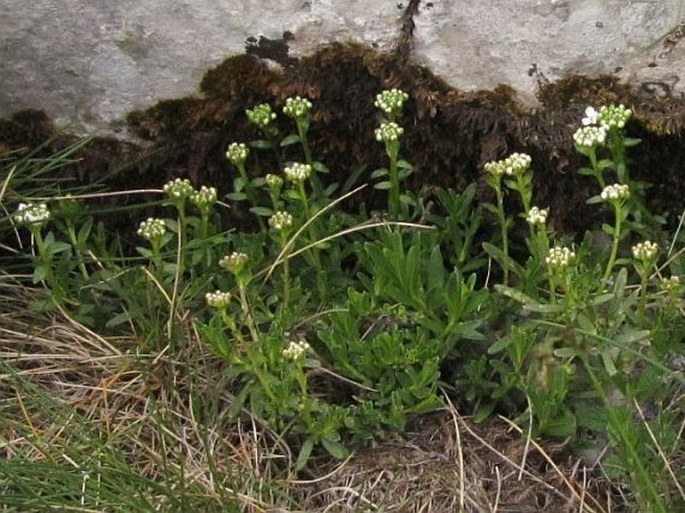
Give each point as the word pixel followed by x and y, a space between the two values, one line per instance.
pixel 297 172
pixel 151 229
pixel 671 284
pixel 296 350
pixel 537 215
pixel 234 262
pixel 609 116
pixel 391 101
pixel 297 107
pixel 280 220
pixel 237 153
pixel 514 165
pixel 218 299
pixel 179 188
pixel 615 192
pixel 645 251
pixel 614 116
pixel 560 257
pixel 261 115
pixel 389 131
pixel 273 181
pixel 31 213
pixel 205 197
pixel 590 136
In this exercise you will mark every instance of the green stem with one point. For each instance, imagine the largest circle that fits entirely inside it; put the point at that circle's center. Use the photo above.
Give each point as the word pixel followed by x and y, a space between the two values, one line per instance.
pixel 616 239
pixel 302 132
pixel 618 155
pixel 394 189
pixel 180 262
pixel 286 275
pixel 523 192
pixel 247 314
pixel 595 168
pixel 552 287
pixel 505 237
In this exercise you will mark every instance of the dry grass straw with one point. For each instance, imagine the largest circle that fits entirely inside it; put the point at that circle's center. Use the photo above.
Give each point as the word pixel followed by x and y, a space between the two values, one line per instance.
pixel 165 416
pixel 447 463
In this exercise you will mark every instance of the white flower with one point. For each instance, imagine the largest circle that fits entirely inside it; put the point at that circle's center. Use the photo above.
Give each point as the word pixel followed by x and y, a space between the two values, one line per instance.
pixel 390 101
pixel 613 116
pixel 297 107
pixel 237 153
pixel 31 213
pixel 297 172
pixel 590 116
pixel 234 262
pixel 514 165
pixel 280 220
pixel 218 299
pixel 670 284
pixel 205 197
pixel 389 131
pixel 615 192
pixel 179 189
pixel 152 229
pixel 273 181
pixel 560 257
pixel 590 136
pixel 537 216
pixel 296 350
pixel 261 115
pixel 645 251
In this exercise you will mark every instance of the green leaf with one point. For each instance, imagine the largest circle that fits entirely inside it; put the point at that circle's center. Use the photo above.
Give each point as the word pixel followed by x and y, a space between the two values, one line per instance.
pixel 58 247
pixel 261 144
pixel 383 186
pixel 262 211
pixel 404 173
pixel 320 167
pixel 236 196
pixel 483 411
pixel 437 277
pixel 561 425
pixel 565 352
pixel 305 453
pixel 503 259
pixel 118 319
pixel 608 229
pixel 403 164
pixel 632 336
pixel 40 273
pixel 605 163
pixel 84 231
pixel 601 299
pixel 499 345
pixel 609 364
pixel 335 449
pixel 290 140
pixel 543 308
pixel 631 141
pixel 594 200
pixel 383 171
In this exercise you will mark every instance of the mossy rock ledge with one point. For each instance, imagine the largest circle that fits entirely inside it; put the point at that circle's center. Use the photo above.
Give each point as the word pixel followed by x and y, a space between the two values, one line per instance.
pixel 449 134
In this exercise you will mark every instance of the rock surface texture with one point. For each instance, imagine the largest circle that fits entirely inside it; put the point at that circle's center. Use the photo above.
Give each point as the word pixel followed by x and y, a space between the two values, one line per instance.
pixel 90 62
